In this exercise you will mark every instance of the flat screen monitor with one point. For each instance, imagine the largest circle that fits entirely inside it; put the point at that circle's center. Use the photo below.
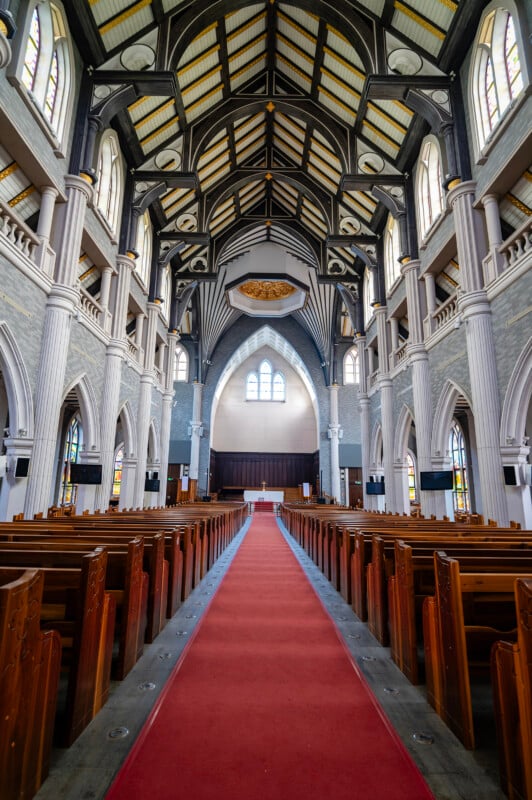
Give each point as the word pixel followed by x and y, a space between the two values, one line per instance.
pixel 86 473
pixel 375 487
pixel 438 481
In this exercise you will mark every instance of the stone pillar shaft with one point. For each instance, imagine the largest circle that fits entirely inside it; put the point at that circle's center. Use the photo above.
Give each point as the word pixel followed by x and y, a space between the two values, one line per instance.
pixel 144 407
pixel 386 392
pixel 196 432
pixel 334 435
pixel 166 413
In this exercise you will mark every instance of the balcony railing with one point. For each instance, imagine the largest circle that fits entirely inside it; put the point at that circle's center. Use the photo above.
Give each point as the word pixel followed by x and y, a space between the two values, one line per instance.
pixel 17 232
pixel 518 246
pixel 441 315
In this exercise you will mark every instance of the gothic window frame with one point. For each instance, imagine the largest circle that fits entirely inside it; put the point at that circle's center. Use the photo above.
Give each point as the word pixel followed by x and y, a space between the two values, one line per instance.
pixel 457 449
pixel 118 468
pixel 165 293
pixel 48 84
pixel 71 451
pixel 144 247
pixel 351 367
pixel 367 297
pixel 392 252
pixel 265 384
pixel 109 187
pixel 181 364
pixel 490 63
pixel 411 471
pixel 430 198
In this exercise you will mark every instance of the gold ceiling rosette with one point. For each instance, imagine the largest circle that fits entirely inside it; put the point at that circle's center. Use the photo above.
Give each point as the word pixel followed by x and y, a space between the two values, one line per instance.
pixel 267 290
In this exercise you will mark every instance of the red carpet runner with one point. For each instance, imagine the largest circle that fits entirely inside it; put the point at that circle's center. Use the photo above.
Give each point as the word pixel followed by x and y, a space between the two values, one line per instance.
pixel 266 703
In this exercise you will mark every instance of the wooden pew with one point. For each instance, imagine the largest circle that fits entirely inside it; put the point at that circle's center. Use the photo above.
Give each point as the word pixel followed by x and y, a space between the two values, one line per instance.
pixel 457 635
pixel 414 579
pixel 511 669
pixel 75 604
pixel 30 661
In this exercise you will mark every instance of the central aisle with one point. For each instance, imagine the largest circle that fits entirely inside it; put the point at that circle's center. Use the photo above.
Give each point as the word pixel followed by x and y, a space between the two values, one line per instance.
pixel 266 703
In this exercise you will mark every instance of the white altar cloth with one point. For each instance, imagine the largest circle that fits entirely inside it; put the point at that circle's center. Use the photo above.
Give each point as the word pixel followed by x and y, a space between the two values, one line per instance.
pixel 254 495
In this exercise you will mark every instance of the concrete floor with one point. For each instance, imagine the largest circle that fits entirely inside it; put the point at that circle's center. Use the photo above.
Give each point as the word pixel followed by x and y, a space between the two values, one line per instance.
pixel 86 769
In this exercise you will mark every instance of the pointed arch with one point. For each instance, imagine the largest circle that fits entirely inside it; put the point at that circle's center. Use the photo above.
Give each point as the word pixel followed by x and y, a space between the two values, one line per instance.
pixel 443 417
pixel 129 429
pixel 88 406
pixel 402 432
pixel 17 383
pixel 517 399
pixel 154 454
pixel 375 459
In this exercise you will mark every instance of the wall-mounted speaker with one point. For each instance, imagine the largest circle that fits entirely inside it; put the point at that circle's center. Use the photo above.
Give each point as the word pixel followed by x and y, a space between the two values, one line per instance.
pixel 22 468
pixel 511 475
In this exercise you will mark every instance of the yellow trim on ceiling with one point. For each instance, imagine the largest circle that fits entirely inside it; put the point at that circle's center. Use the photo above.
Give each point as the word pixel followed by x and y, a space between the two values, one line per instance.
pixel 380 134
pixel 515 201
pixel 450 4
pixel 344 63
pixel 157 132
pixel 336 32
pixel 87 272
pixel 428 26
pixel 249 46
pixel 205 97
pixel 352 202
pixel 293 24
pixel 214 49
pixel 205 155
pixel 293 46
pixel 155 113
pixel 388 119
pixel 192 86
pixel 9 170
pixel 316 145
pixel 326 165
pixel 293 67
pixel 284 146
pixel 248 66
pixel 295 123
pixel 335 99
pixel 120 18
pixel 217 174
pixel 223 158
pixel 248 140
pixel 340 82
pixel 137 103
pixel 288 135
pixel 21 196
pixel 255 120
pixel 247 25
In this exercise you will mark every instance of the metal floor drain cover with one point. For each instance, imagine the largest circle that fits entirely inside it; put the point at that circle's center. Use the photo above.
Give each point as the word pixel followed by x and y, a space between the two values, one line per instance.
pixel 118 733
pixel 423 738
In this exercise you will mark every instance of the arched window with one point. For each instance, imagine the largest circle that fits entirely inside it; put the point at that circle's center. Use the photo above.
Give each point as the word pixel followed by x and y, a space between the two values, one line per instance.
pixel 109 184
pixel 70 456
pixel 47 67
pixel 459 468
pixel 117 471
pixel 368 296
pixel 181 364
pixel 265 384
pixel 411 470
pixel 429 191
pixel 351 366
pixel 392 250
pixel 143 247
pixel 166 292
pixel 497 78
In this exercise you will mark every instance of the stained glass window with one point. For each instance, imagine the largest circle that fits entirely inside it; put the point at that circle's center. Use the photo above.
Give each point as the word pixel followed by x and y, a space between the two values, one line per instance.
pixel 411 468
pixel 459 467
pixel 29 70
pixel 70 456
pixel 117 473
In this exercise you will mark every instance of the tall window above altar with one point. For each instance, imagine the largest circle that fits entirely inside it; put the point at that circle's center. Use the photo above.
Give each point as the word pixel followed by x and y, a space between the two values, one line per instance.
pixel 265 384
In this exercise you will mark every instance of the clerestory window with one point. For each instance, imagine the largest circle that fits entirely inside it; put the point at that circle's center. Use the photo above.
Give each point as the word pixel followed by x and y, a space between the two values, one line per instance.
pixel 266 384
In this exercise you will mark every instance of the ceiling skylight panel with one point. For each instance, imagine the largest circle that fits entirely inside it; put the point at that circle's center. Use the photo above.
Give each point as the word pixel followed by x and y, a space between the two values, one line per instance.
pixel 358 208
pixel 206 41
pixel 250 144
pixel 300 37
pixel 126 24
pixel 439 13
pixel 341 110
pixel 283 123
pixel 325 180
pixel 254 30
pixel 204 104
pixel 417 28
pixel 214 149
pixel 296 57
pixel 160 136
pixel 251 51
pixel 250 124
pixel 213 166
pixel 207 83
pixel 292 73
pixel 389 127
pixel 150 122
pixel 227 212
pixel 248 71
pixel 344 71
pixel 252 188
pixel 343 48
pixel 379 139
pixel 216 176
pixel 235 19
pixel 344 93
pixel 303 18
pixel 145 106
pixel 316 225
pixel 291 152
pixel 173 5
pixel 196 69
pixel 283 199
pixel 182 204
pixel 326 153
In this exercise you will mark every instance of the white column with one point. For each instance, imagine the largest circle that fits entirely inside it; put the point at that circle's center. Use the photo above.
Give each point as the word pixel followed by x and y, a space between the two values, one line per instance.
pixel 196 430
pixel 476 313
pixel 45 254
pixel 166 413
pixel 62 300
pixel 144 407
pixel 114 359
pixel 363 403
pixel 334 436
pixel 430 294
pixel 493 263
pixel 105 291
pixel 5 47
pixel 386 393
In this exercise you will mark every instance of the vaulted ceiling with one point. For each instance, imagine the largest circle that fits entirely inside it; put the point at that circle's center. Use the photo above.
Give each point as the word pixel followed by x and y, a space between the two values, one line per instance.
pixel 254 123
